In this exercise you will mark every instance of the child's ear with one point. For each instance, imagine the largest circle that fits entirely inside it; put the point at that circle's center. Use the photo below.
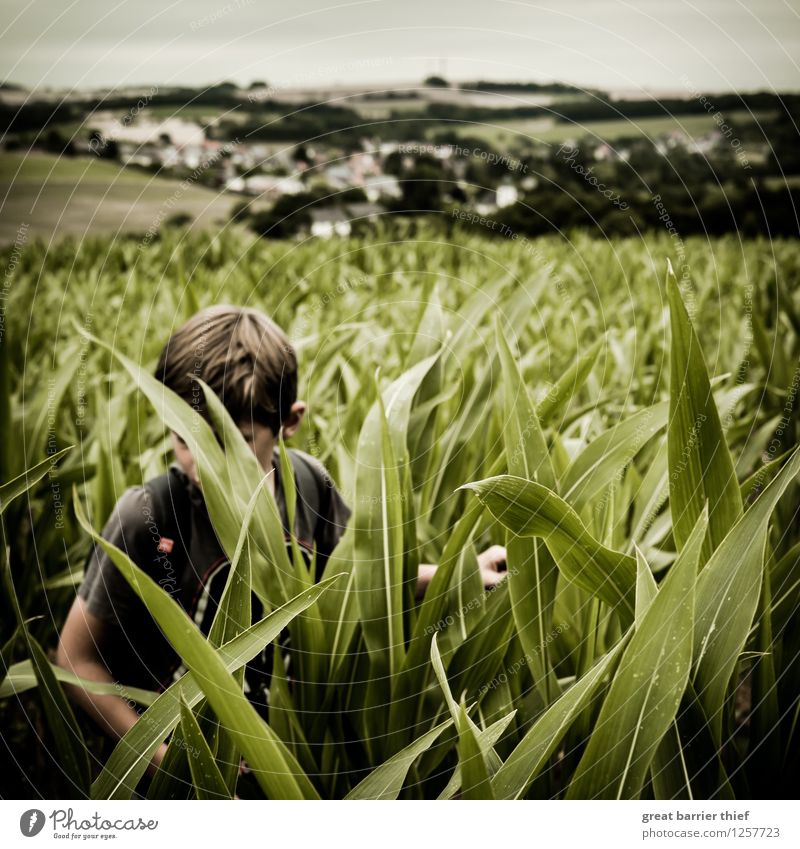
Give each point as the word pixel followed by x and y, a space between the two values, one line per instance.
pixel 292 421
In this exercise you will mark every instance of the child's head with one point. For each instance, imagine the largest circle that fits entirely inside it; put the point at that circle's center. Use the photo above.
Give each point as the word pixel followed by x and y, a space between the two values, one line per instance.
pixel 249 363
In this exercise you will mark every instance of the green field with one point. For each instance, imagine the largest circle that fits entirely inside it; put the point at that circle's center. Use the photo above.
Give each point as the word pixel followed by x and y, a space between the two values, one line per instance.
pixel 79 195
pixel 632 439
pixel 516 134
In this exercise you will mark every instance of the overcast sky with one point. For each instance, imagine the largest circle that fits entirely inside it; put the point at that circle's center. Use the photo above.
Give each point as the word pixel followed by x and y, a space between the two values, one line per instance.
pixel 613 44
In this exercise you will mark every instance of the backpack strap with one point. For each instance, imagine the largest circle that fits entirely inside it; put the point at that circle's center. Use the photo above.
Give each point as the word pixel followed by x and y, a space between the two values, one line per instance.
pixel 172 516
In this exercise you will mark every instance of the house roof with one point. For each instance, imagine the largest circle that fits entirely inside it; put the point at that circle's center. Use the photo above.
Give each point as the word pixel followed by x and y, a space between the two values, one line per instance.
pixel 365 210
pixel 325 214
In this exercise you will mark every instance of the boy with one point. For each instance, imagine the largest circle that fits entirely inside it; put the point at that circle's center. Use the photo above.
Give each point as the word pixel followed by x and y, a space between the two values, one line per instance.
pixel 165 528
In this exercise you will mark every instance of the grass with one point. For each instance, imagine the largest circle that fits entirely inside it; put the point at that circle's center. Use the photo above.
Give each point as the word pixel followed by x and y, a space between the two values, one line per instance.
pixel 625 433
pixel 80 195
pixel 516 133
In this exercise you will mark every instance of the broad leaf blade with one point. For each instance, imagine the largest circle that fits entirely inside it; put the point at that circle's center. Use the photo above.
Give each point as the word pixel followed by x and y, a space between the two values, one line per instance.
pixel 530 509
pixel 386 781
pixel 728 591
pixel 277 771
pixel 207 779
pixel 700 465
pixel 532 571
pixel 132 754
pixel 62 725
pixel 14 488
pixel 647 688
pixel 475 782
pixel 602 462
pixel 533 751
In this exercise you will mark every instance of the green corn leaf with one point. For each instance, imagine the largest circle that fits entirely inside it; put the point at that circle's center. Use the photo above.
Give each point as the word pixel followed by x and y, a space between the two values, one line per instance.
pixel 207 779
pixel 475 782
pixel 754 485
pixel 378 520
pixel 646 587
pixel 173 778
pixel 408 686
pixel 700 465
pixel 765 726
pixel 669 771
pixel 21 677
pixel 433 610
pixel 73 756
pixel 530 509
pixel 646 692
pixel 602 462
pixel 441 676
pixel 109 479
pixel 7 687
pixel 386 781
pixel 438 486
pixel 7 458
pixel 397 400
pixel 527 455
pixel 532 570
pixel 532 580
pixel 478 660
pixel 568 385
pixel 430 330
pixel 728 590
pixel 487 739
pixel 275 768
pixel 283 715
pixel 531 754
pixel 422 429
pixel 651 495
pixel 28 479
pixel 338 608
pixel 44 411
pixel 378 546
pixel 290 497
pixel 489 757
pixel 62 726
pixel 132 754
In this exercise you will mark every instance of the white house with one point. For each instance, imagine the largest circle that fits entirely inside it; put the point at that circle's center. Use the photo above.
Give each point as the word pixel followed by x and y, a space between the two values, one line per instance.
pixel 507 195
pixel 382 186
pixel 329 221
pixel 271 185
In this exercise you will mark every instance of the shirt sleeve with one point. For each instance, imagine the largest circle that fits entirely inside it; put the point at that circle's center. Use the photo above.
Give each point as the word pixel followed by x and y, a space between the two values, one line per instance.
pixel 106 592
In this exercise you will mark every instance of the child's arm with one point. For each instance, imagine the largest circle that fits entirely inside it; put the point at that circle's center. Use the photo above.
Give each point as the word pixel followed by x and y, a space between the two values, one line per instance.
pixel 80 651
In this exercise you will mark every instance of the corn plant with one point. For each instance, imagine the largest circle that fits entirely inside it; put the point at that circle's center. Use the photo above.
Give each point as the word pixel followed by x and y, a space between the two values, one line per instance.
pixel 644 641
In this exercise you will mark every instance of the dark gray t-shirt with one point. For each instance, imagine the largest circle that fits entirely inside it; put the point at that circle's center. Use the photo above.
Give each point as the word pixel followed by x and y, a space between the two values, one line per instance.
pixel 192 567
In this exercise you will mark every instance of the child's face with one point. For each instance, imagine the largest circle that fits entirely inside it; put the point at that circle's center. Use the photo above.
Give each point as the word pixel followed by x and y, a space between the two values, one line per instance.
pixel 259 437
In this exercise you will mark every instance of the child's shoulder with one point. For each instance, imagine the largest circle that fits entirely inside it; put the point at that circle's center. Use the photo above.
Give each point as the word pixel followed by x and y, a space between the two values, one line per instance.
pixel 309 467
pixel 142 506
pixel 127 526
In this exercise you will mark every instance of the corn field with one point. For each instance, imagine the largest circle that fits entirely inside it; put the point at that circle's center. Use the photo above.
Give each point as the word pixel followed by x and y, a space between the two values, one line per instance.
pixel 629 432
